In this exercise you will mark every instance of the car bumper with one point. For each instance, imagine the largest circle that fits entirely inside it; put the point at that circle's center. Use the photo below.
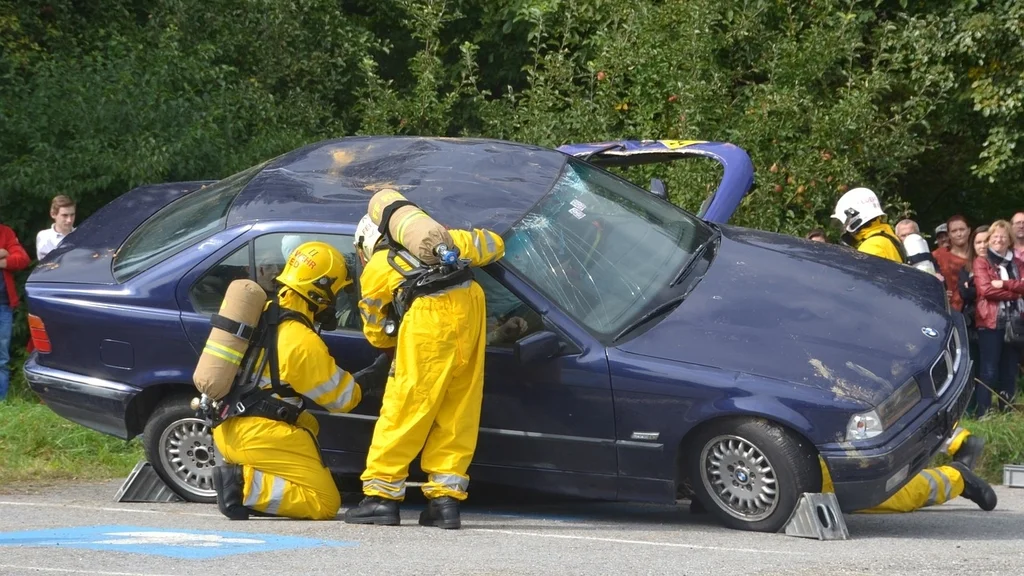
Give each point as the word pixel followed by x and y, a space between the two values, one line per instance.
pixel 92 402
pixel 864 479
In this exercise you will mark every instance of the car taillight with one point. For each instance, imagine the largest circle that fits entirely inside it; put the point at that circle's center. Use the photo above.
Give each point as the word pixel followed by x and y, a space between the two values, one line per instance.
pixel 40 340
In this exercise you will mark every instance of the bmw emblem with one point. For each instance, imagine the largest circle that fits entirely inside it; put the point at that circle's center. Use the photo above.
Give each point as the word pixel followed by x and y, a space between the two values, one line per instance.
pixel 741 476
pixel 929 332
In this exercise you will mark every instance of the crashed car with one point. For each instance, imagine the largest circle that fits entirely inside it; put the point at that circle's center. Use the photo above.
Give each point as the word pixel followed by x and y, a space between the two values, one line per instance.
pixel 664 355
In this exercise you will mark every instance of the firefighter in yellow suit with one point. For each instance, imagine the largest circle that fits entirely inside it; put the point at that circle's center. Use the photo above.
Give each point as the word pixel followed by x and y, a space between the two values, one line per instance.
pixel 863 225
pixel 273 467
pixel 433 400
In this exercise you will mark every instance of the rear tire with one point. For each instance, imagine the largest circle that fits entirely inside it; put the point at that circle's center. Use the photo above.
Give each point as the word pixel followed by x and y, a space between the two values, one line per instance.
pixel 750 473
pixel 180 448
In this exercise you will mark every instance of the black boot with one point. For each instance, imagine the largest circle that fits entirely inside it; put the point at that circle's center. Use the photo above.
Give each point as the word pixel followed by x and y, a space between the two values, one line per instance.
pixel 227 481
pixel 442 512
pixel 375 510
pixel 975 489
pixel 970 450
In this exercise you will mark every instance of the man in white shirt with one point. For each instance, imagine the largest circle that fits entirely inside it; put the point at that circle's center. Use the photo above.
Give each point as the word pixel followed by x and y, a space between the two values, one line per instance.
pixel 62 210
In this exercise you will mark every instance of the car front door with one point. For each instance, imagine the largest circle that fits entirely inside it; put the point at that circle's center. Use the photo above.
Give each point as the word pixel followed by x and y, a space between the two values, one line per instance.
pixel 549 420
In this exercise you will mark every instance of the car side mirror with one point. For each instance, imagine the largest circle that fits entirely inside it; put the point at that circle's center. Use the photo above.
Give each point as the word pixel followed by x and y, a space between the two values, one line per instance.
pixel 537 346
pixel 659 188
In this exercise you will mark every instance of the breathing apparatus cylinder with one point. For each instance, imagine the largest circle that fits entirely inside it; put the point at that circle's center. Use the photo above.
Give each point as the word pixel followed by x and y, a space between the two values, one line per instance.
pixel 229 338
pixel 918 254
pixel 410 226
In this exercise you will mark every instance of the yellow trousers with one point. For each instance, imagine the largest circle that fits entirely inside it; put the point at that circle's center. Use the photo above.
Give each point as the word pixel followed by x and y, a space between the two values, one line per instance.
pixel 434 399
pixel 931 486
pixel 281 464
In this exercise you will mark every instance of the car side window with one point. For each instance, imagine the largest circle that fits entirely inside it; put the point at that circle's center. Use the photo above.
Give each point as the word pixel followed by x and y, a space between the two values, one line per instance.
pixel 508 317
pixel 208 292
pixel 272 251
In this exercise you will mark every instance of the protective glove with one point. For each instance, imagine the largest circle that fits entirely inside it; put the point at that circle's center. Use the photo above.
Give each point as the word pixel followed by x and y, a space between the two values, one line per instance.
pixel 373 378
pixel 510 331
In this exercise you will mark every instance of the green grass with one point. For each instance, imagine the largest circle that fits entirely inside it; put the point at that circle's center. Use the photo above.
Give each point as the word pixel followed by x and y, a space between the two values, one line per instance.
pixel 1004 443
pixel 38 445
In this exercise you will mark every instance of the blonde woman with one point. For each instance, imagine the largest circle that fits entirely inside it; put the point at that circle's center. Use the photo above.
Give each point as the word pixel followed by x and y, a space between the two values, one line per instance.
pixel 1000 296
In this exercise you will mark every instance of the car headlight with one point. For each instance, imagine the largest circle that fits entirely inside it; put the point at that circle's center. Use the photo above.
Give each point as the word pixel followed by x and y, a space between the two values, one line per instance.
pixel 873 422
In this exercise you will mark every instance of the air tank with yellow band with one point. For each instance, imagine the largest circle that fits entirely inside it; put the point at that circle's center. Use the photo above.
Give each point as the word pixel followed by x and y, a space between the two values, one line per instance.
pixel 222 355
pixel 410 226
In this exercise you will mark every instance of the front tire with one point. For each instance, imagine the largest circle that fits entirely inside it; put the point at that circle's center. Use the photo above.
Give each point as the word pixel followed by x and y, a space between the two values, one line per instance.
pixel 180 448
pixel 750 473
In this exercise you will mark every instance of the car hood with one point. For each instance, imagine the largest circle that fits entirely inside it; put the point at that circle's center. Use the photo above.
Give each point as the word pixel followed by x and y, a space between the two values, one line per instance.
pixel 808 313
pixel 84 256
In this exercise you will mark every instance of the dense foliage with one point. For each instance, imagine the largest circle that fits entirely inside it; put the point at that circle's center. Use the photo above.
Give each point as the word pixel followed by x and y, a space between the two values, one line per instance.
pixel 922 101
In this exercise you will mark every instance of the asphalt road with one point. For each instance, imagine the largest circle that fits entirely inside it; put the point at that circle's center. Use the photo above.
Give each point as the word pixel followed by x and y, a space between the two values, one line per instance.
pixel 79 529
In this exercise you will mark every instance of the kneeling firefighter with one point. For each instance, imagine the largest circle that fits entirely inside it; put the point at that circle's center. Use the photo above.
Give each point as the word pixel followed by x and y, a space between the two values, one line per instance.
pixel 419 296
pixel 262 362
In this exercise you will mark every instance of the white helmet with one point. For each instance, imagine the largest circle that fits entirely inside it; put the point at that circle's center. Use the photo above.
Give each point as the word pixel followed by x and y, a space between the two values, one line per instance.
pixel 918 253
pixel 289 242
pixel 856 208
pixel 367 236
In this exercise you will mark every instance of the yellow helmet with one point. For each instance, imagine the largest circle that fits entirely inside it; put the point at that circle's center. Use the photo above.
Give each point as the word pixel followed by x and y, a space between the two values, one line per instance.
pixel 317 272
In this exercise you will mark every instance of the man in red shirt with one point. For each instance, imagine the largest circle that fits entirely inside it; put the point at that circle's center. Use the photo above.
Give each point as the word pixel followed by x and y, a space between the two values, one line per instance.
pixel 12 258
pixel 953 257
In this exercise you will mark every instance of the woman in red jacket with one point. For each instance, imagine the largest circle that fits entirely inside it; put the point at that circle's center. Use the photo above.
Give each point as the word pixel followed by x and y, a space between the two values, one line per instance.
pixel 12 258
pixel 1000 296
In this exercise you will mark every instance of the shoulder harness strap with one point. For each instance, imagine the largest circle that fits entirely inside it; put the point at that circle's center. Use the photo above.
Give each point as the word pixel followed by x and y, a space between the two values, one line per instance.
pixel 900 249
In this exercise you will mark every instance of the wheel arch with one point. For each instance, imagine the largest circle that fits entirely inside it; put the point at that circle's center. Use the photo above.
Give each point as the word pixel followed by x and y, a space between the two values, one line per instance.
pixel 142 405
pixel 685 445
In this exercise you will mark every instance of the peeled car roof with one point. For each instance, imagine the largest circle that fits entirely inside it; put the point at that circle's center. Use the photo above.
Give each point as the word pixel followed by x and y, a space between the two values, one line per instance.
pixel 460 182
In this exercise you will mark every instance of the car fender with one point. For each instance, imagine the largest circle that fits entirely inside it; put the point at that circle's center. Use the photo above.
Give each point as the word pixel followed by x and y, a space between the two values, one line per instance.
pixel 759 406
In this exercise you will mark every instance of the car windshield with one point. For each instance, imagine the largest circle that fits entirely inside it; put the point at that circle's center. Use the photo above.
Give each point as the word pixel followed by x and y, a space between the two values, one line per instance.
pixel 602 249
pixel 180 224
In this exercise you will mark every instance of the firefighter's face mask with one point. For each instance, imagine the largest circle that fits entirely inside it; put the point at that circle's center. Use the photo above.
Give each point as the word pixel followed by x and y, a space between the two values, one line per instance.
pixel 852 220
pixel 327 318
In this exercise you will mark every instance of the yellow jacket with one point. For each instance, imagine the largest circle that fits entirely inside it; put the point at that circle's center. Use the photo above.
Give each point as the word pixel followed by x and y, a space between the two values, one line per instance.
pixel 379 280
pixel 870 241
pixel 307 366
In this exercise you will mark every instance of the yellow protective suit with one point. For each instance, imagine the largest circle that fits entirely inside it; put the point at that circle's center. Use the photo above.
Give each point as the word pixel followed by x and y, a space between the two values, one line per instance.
pixel 433 399
pixel 870 241
pixel 282 469
pixel 930 487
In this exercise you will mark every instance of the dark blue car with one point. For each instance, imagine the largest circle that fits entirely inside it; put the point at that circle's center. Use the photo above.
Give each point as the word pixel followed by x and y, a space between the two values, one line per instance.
pixel 665 355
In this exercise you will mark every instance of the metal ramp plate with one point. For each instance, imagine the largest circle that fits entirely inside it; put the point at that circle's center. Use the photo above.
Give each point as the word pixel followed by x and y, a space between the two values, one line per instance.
pixel 143 485
pixel 818 516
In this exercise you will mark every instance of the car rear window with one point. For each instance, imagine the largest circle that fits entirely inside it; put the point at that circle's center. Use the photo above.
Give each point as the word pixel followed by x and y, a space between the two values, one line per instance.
pixel 180 224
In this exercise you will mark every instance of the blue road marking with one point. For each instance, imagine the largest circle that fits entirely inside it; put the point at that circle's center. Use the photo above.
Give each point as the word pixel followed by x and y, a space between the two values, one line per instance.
pixel 171 542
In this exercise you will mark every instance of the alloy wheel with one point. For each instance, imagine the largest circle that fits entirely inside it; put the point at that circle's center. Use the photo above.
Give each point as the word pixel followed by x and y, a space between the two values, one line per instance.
pixel 739 477
pixel 188 455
